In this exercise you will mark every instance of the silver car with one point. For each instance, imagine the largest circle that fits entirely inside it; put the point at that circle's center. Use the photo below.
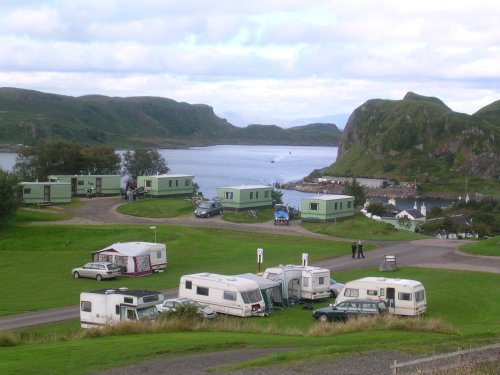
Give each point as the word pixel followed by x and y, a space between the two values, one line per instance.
pixel 97 270
pixel 174 303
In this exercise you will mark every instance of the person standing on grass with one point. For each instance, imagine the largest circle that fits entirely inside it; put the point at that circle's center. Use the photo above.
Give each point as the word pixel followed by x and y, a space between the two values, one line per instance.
pixel 353 248
pixel 360 249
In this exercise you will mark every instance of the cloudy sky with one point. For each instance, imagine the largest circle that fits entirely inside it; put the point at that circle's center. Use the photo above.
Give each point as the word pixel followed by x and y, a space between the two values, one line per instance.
pixel 256 61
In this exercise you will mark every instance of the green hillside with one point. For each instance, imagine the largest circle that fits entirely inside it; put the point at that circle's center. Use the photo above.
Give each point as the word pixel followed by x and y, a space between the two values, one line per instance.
pixel 420 138
pixel 29 117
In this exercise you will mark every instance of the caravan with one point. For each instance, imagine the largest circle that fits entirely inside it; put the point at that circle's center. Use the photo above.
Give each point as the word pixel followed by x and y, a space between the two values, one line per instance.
pixel 231 295
pixel 110 306
pixel 300 282
pixel 403 297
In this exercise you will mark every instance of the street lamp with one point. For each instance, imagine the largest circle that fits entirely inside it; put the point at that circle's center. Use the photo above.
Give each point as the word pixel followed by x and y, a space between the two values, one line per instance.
pixel 154 228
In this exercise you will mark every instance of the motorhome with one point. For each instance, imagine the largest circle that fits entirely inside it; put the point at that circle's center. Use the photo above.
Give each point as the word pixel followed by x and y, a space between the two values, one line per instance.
pixel 300 282
pixel 402 296
pixel 111 306
pixel 231 295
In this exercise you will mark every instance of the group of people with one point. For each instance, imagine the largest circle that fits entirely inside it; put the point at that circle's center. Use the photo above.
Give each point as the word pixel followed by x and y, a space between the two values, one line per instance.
pixel 359 248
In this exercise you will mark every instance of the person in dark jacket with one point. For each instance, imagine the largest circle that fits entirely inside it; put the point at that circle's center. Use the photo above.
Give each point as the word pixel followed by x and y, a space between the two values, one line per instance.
pixel 353 248
pixel 360 249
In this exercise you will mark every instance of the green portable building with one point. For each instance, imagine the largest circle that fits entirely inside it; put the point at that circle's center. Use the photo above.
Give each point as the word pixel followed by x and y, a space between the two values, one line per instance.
pixel 166 184
pixel 46 192
pixel 103 184
pixel 245 196
pixel 326 207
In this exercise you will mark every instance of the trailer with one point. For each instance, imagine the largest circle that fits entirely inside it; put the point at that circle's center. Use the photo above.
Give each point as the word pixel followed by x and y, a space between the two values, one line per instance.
pixel 111 306
pixel 301 282
pixel 230 295
pixel 402 296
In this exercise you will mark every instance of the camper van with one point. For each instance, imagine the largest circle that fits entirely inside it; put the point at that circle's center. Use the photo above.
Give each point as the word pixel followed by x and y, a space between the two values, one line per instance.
pixel 403 297
pixel 300 282
pixel 231 295
pixel 110 306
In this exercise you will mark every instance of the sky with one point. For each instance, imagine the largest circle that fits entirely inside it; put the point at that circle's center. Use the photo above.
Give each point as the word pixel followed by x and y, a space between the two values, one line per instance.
pixel 261 61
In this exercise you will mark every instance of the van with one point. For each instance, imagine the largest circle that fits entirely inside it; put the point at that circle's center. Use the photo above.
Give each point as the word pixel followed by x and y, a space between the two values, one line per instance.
pixel 402 296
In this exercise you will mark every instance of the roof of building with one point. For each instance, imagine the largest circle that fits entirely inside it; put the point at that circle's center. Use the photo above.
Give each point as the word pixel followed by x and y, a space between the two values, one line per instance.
pixel 170 176
pixel 246 187
pixel 416 214
pixel 125 291
pixel 330 197
pixel 132 248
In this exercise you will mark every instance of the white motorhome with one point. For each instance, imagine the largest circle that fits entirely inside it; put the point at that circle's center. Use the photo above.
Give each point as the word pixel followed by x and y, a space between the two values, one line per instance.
pixel 300 282
pixel 231 295
pixel 402 296
pixel 110 306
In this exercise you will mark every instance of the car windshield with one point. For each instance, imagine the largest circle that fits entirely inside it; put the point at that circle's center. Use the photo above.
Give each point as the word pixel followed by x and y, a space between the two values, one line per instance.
pixel 204 205
pixel 193 303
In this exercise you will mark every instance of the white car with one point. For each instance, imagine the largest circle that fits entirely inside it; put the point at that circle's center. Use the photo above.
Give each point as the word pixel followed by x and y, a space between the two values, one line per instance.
pixel 174 303
pixel 335 288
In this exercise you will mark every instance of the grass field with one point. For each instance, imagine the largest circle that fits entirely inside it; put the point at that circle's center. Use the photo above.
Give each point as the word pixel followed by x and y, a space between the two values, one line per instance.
pixel 35 264
pixel 488 247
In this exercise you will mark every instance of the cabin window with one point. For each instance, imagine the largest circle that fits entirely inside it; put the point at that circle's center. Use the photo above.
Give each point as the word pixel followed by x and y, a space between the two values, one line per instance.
pixel 351 292
pixel 419 296
pixel 371 292
pixel 117 309
pixel 321 280
pixel 266 194
pixel 335 205
pixel 169 183
pixel 228 195
pixel 340 205
pixel 256 195
pixel 86 306
pixel 27 191
pixel 128 300
pixel 251 195
pixel 314 206
pixel 229 295
pixel 202 291
pixel 349 204
pixel 176 183
pixel 382 292
pixel 305 282
pixel 404 296
pixel 187 182
pixel 189 284
pixel 147 183
pixel 81 182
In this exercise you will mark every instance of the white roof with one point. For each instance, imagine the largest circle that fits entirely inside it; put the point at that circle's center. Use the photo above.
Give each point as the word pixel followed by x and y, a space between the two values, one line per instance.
pixel 170 175
pixel 44 183
pixel 403 282
pixel 246 187
pixel 330 197
pixel 240 282
pixel 134 248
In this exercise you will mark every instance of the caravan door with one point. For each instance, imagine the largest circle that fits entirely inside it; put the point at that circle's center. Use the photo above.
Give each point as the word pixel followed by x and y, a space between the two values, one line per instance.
pixel 127 313
pixel 391 300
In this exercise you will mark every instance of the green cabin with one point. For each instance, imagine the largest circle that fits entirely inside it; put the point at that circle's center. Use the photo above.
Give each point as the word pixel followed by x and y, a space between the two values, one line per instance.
pixel 246 196
pixel 166 184
pixel 326 207
pixel 103 184
pixel 46 192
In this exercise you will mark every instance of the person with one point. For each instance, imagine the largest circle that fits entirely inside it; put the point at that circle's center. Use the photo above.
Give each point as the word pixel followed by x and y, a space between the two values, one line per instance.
pixel 353 248
pixel 360 249
pixel 130 196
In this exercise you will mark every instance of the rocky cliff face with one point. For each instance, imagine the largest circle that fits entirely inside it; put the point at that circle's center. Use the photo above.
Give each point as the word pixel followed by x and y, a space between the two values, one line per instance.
pixel 397 133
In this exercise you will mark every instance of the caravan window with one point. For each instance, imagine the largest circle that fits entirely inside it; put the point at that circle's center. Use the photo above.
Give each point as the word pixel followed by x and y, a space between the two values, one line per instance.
pixel 419 296
pixel 272 276
pixel 350 292
pixel 158 254
pixel 229 295
pixel 128 300
pixel 382 292
pixel 305 281
pixel 321 280
pixel 371 292
pixel 251 296
pixel 202 291
pixel 404 296
pixel 189 284
pixel 86 306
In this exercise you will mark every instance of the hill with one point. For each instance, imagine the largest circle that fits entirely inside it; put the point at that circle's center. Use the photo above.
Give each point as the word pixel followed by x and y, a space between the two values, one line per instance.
pixel 29 117
pixel 419 138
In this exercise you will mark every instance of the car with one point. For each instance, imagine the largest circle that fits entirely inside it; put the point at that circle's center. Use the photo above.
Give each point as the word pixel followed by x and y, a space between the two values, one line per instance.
pixel 97 270
pixel 174 303
pixel 350 309
pixel 335 288
pixel 209 208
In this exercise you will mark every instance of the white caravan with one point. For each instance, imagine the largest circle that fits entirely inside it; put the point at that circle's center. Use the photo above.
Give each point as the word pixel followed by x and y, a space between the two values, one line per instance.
pixel 403 297
pixel 231 295
pixel 109 306
pixel 301 282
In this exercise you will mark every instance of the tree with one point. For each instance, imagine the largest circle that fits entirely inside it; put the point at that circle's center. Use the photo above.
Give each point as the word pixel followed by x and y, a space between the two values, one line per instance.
pixel 277 196
pixel 144 163
pixel 355 189
pixel 9 192
pixel 52 157
pixel 101 159
pixel 376 208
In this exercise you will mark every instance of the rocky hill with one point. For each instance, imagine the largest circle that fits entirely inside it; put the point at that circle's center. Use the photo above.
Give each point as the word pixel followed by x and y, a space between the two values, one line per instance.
pixel 29 117
pixel 419 138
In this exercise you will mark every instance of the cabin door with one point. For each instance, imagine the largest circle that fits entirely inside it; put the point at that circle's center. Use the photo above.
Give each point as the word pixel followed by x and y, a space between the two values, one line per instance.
pixel 391 299
pixel 46 193
pixel 98 185
pixel 73 186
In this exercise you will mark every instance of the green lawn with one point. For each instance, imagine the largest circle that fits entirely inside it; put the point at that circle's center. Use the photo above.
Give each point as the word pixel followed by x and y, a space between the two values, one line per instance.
pixel 488 247
pixel 157 207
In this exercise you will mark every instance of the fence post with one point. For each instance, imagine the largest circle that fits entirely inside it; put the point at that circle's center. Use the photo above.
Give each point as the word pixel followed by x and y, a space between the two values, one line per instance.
pixel 395 368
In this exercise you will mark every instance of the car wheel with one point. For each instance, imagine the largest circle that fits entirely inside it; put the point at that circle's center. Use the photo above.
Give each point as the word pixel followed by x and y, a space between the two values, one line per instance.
pixel 98 277
pixel 76 275
pixel 323 318
pixel 208 215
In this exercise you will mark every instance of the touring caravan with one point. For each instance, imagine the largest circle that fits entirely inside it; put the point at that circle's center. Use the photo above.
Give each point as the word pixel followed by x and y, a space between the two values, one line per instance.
pixel 403 297
pixel 231 295
pixel 301 282
pixel 110 306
